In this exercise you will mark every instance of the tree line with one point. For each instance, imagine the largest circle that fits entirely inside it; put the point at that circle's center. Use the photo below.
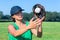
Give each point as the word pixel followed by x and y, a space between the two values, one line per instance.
pixel 50 16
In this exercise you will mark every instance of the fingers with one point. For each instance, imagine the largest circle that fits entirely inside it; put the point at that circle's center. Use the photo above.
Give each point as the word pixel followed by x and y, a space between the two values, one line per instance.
pixel 39 24
pixel 36 20
pixel 32 19
pixel 42 18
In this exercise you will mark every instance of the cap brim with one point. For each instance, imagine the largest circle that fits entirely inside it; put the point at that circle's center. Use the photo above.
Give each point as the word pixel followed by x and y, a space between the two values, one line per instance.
pixel 22 10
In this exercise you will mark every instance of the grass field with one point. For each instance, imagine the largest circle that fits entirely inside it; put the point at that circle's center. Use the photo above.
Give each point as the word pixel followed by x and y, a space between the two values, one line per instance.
pixel 51 31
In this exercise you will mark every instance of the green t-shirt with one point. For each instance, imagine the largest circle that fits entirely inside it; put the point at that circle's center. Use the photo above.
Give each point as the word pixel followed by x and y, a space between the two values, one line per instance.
pixel 25 36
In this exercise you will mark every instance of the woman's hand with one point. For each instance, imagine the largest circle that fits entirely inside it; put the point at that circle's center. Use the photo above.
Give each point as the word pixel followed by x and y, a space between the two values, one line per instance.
pixel 33 24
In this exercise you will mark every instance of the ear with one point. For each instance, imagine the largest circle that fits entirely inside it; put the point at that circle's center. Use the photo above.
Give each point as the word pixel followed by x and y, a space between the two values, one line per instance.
pixel 13 16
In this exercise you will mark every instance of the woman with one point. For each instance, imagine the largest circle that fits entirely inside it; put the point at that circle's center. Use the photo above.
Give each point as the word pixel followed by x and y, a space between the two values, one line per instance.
pixel 20 30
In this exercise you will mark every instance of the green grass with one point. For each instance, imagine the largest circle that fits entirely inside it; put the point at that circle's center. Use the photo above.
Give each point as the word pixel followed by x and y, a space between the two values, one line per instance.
pixel 51 31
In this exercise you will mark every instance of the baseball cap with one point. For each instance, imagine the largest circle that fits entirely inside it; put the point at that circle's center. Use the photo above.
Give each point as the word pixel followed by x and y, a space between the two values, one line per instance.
pixel 15 9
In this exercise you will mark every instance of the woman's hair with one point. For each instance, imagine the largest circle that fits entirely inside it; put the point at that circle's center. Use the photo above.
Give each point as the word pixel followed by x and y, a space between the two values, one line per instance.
pixel 13 19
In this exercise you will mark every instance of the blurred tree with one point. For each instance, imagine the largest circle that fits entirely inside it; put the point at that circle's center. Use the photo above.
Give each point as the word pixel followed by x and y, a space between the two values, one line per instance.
pixel 26 16
pixel 6 17
pixel 1 14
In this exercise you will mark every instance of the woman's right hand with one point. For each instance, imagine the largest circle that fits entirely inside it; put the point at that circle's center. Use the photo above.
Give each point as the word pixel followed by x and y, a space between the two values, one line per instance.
pixel 33 24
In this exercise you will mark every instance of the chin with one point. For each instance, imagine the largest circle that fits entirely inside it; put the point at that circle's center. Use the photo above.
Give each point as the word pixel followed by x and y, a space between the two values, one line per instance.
pixel 21 18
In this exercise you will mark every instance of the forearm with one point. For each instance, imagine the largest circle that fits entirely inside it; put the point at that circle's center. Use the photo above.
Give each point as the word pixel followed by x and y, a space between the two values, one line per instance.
pixel 40 28
pixel 39 31
pixel 20 31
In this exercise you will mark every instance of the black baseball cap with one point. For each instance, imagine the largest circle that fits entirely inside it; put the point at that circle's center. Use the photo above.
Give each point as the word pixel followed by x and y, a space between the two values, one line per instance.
pixel 15 9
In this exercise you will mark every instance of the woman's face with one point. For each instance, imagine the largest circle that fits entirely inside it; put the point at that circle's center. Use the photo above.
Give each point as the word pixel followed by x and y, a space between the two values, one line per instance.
pixel 18 16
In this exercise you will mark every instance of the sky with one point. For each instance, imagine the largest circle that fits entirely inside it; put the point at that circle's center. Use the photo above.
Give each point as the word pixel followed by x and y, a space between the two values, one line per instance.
pixel 50 5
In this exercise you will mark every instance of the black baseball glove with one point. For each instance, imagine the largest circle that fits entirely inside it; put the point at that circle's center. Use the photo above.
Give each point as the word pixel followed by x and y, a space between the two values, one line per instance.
pixel 39 10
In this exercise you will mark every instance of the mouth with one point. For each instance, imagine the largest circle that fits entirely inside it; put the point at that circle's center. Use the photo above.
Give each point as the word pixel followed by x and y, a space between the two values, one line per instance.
pixel 20 16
